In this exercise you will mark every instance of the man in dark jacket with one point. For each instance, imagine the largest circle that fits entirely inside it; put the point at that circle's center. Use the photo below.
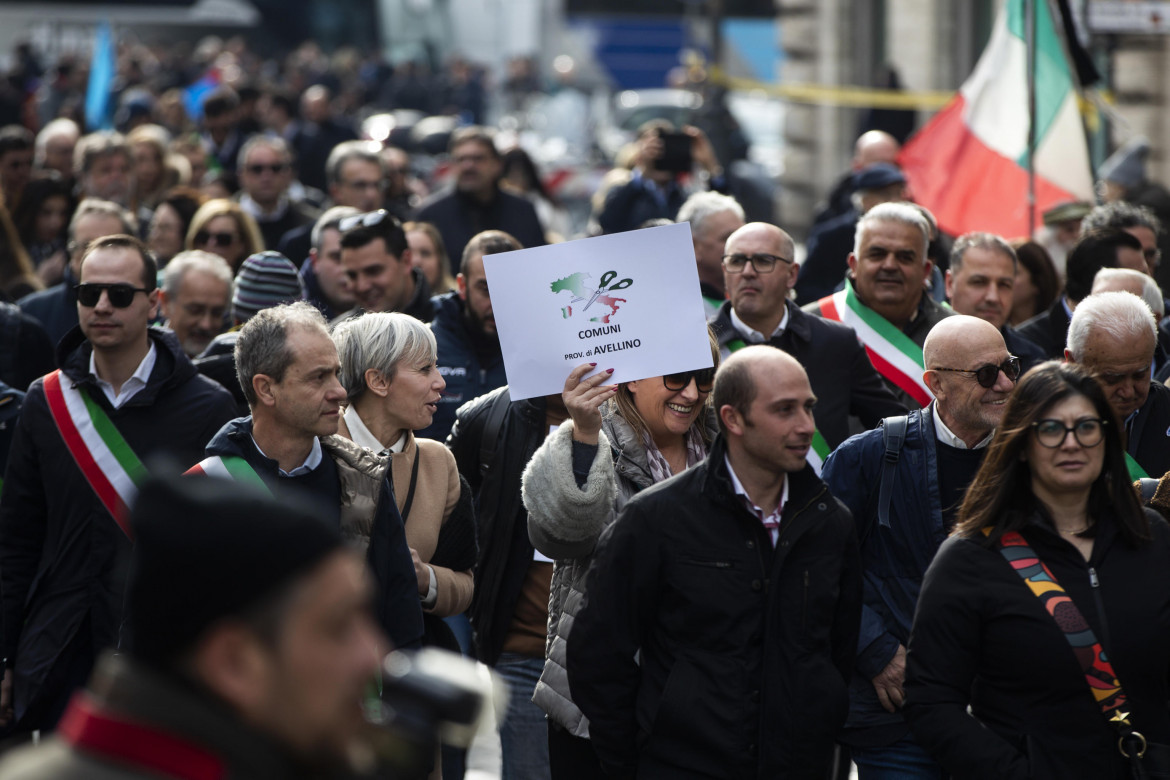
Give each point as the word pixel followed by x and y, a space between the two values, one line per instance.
pixel 493 439
pixel 465 331
pixel 1114 336
pixel 125 392
pixel 477 203
pixel 288 367
pixel 377 262
pixel 902 524
pixel 722 616
pixel 759 312
pixel 253 673
pixel 981 282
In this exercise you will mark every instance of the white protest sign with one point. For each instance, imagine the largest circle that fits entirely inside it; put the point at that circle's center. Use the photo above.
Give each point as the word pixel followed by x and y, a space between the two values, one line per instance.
pixel 627 301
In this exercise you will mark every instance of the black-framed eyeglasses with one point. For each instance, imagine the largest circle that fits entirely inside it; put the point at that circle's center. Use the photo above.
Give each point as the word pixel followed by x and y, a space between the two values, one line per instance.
pixel 988 374
pixel 120 295
pixel 1088 432
pixel 219 238
pixel 368 219
pixel 258 168
pixel 763 263
pixel 704 380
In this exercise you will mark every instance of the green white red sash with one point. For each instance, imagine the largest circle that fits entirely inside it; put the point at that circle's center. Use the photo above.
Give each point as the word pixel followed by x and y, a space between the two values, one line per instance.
pixel 820 449
pixel 894 354
pixel 1136 471
pixel 229 467
pixel 108 463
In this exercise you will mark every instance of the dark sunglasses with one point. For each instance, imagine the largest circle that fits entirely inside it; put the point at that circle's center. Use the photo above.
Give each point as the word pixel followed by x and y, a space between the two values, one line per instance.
pixel 369 219
pixel 258 168
pixel 763 263
pixel 986 375
pixel 704 380
pixel 120 295
pixel 220 239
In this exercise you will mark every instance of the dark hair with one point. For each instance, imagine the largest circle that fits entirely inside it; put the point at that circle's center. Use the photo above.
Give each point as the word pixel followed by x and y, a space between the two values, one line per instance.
pixel 516 157
pixel 1096 250
pixel 220 101
pixel 123 241
pixel 1001 496
pixel 389 230
pixel 480 135
pixel 489 242
pixel 1036 259
pixel 35 194
pixel 15 138
pixel 185 201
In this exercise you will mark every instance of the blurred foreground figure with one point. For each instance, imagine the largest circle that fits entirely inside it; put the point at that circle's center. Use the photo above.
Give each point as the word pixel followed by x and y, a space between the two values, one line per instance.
pixel 255 672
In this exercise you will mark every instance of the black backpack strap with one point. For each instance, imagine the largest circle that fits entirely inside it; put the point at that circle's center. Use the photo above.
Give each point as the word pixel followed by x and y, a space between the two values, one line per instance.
pixel 894 436
pixel 1149 487
pixel 491 430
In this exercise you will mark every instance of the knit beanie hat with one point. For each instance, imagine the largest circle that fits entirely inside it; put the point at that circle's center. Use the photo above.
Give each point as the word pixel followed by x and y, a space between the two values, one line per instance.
pixel 208 548
pixel 265 279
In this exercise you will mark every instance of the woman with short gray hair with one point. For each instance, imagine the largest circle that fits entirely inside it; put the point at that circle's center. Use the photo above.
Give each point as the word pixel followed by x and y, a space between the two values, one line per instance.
pixel 393 386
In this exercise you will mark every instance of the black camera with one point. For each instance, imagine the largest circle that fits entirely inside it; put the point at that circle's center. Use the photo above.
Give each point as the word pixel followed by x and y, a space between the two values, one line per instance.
pixel 676 152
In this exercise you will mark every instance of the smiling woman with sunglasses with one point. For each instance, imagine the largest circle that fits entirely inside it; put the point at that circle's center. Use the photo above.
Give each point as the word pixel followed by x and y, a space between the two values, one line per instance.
pixel 1048 612
pixel 620 440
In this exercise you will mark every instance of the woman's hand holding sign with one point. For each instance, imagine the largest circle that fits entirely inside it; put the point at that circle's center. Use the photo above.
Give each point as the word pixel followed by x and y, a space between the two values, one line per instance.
pixel 583 399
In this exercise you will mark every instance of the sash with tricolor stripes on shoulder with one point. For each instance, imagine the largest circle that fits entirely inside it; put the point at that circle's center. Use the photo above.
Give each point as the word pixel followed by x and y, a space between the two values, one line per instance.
pixel 1136 471
pixel 106 461
pixel 227 467
pixel 819 449
pixel 894 354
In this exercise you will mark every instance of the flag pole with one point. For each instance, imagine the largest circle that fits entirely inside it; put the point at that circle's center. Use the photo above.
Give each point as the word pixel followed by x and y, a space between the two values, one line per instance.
pixel 1030 46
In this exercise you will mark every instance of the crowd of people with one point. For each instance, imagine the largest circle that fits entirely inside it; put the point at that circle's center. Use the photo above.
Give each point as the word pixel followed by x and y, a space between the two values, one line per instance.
pixel 807 554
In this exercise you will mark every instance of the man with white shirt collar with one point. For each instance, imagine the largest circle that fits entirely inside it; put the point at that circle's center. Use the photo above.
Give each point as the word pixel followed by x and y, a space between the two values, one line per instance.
pixel 125 392
pixel 758 272
pixel 904 483
pixel 288 369
pixel 725 599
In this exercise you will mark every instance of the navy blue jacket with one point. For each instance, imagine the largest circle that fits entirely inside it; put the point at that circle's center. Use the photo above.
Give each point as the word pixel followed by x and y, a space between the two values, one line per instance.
pixel 459 217
pixel 467 378
pixel 894 558
pixel 55 308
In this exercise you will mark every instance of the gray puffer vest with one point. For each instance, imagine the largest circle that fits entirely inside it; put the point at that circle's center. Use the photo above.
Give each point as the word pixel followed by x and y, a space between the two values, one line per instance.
pixel 564 523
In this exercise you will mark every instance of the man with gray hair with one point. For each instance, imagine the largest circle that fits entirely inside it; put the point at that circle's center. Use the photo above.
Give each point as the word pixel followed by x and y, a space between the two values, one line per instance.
pixel 885 300
pixel 981 282
pixel 288 369
pixel 1143 286
pixel 101 165
pixel 266 172
pixel 53 149
pixel 1114 335
pixel 713 217
pixel 355 175
pixel 1138 221
pixel 197 287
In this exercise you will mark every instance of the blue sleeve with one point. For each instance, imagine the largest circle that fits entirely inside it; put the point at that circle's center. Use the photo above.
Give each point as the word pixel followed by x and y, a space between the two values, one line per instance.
pixel 846 476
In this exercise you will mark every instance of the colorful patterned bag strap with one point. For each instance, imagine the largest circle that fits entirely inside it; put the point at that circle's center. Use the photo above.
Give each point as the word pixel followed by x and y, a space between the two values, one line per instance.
pixel 1039 578
pixel 1103 683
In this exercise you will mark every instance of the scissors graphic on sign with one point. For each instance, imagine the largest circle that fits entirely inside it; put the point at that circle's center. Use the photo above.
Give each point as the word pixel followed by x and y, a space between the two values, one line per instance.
pixel 605 286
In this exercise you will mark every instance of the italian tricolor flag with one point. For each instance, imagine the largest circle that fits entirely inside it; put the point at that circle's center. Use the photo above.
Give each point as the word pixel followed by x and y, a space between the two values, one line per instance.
pixel 969 164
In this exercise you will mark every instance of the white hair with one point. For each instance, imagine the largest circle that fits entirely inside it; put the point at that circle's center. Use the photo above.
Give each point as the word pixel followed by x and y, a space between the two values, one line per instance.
pixel 902 213
pixel 1122 315
pixel 1151 293
pixel 701 206
pixel 195 260
pixel 379 340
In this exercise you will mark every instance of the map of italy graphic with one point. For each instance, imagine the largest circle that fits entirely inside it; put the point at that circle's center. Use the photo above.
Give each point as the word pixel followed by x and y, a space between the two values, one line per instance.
pixel 576 285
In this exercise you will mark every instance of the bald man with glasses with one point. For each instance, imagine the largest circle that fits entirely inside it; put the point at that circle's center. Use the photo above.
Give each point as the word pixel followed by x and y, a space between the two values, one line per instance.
pixel 758 272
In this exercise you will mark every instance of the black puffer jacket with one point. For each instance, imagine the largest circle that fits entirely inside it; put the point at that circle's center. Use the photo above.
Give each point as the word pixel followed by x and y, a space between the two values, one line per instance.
pixel 504 550
pixel 61 554
pixel 981 637
pixel 745 651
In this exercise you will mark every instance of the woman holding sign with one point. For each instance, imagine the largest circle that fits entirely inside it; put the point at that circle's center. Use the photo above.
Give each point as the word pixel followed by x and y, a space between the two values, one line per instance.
pixel 620 439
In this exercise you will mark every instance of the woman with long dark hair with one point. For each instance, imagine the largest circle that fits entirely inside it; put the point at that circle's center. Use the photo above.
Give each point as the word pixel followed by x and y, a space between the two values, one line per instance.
pixel 42 220
pixel 1047 613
